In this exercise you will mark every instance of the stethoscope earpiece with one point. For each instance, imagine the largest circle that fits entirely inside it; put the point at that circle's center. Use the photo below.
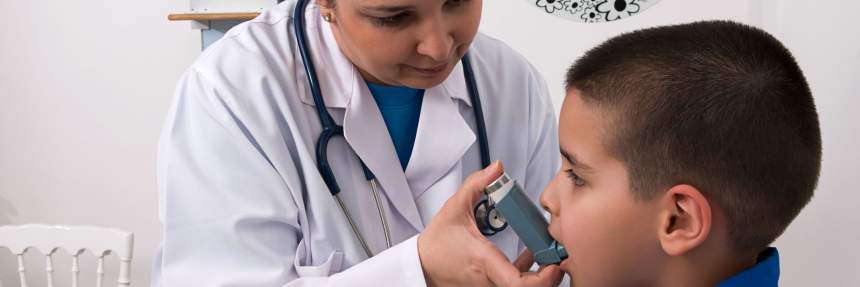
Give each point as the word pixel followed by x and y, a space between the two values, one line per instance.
pixel 488 218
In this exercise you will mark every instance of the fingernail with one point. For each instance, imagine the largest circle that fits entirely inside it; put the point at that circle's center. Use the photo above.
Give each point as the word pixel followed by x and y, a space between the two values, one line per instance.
pixel 491 167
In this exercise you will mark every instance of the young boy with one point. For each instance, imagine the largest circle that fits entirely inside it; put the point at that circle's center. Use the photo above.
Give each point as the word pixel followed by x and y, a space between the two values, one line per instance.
pixel 687 150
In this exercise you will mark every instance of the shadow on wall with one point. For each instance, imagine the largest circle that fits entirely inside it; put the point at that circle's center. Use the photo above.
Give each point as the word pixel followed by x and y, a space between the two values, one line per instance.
pixel 8 263
pixel 7 211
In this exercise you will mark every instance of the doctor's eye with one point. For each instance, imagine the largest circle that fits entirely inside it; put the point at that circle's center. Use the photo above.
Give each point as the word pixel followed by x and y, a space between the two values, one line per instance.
pixel 392 21
pixel 577 181
pixel 455 3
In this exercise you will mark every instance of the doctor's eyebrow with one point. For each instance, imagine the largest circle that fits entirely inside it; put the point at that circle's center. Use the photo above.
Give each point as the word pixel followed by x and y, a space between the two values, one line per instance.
pixel 571 158
pixel 388 8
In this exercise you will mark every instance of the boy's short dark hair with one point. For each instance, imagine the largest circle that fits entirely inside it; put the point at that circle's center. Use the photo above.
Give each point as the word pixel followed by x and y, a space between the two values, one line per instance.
pixel 718 105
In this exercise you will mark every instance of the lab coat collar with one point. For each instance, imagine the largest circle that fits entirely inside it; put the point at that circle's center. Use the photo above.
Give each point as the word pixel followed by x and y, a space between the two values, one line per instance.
pixel 365 131
pixel 442 138
pixel 337 74
pixel 455 85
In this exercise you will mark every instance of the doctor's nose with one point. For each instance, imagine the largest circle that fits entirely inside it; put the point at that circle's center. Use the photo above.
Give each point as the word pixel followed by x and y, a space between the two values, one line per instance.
pixel 436 42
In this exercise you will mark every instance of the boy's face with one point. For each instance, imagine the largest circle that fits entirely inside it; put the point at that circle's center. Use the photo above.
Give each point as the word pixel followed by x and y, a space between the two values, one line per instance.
pixel 610 236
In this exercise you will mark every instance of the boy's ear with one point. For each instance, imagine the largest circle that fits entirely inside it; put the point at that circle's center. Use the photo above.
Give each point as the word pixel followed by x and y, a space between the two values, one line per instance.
pixel 685 219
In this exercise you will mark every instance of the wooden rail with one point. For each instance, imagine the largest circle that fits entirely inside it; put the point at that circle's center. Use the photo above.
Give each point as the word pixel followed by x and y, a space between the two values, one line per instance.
pixel 212 16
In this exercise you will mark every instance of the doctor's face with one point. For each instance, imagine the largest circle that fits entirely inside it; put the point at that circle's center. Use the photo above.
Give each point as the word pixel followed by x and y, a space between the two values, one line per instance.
pixel 610 236
pixel 413 43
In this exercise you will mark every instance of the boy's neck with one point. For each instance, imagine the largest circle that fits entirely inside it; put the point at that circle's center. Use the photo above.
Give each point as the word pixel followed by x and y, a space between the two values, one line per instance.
pixel 705 266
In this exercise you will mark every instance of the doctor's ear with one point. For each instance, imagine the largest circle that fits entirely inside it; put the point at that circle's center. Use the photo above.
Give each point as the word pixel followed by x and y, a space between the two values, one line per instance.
pixel 685 219
pixel 327 9
pixel 326 5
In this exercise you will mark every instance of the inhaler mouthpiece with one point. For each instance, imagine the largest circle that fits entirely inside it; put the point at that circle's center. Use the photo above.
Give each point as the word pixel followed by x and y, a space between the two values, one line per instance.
pixel 526 219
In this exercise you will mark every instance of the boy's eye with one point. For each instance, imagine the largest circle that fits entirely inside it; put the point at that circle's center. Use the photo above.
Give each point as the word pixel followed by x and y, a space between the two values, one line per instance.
pixel 577 181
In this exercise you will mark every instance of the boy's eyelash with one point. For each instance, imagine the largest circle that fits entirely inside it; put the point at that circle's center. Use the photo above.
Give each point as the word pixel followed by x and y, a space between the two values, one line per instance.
pixel 577 181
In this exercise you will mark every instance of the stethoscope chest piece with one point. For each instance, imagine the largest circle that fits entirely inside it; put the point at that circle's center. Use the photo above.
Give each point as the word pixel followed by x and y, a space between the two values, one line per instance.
pixel 488 218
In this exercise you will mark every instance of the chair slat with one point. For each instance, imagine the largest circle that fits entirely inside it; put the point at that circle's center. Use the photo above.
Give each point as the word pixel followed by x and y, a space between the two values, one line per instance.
pixel 124 272
pixel 74 239
pixel 49 269
pixel 22 271
pixel 100 271
pixel 75 270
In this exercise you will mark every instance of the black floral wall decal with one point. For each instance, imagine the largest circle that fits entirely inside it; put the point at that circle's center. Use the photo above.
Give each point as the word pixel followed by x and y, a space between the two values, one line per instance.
pixel 594 11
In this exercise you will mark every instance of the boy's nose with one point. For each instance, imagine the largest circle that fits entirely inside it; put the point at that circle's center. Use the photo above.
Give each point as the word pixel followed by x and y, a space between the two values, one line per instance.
pixel 547 198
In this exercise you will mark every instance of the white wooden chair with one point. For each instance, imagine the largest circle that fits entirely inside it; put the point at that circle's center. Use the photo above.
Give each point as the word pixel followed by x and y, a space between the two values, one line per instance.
pixel 74 240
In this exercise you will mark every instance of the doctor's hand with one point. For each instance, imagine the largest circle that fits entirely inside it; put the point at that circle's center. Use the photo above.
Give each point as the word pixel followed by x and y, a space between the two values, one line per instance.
pixel 453 252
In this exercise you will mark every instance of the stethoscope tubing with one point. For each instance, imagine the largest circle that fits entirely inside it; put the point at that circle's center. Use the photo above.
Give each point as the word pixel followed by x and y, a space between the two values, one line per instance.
pixel 330 129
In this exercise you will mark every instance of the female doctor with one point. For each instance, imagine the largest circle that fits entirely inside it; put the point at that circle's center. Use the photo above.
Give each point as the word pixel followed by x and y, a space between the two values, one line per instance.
pixel 242 200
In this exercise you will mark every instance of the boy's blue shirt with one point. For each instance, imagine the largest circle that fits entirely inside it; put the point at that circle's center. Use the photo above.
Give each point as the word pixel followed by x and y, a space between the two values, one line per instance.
pixel 765 273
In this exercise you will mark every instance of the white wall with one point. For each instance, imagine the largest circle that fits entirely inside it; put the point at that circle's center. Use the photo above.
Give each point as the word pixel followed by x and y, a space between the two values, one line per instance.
pixel 84 87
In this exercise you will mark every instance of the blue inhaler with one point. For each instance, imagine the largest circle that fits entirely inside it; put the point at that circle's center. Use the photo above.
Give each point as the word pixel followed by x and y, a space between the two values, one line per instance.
pixel 509 205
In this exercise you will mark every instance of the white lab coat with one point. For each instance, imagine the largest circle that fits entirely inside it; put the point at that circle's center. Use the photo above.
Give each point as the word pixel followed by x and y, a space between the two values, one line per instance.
pixel 242 202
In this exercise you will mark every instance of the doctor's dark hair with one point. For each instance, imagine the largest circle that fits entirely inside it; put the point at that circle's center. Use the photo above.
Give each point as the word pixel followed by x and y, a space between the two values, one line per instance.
pixel 718 105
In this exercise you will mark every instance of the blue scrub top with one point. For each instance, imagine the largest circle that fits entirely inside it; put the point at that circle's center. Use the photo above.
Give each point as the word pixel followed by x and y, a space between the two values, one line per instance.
pixel 401 109
pixel 764 274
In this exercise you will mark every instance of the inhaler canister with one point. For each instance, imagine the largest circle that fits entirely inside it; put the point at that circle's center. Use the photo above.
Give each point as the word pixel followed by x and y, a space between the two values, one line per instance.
pixel 526 219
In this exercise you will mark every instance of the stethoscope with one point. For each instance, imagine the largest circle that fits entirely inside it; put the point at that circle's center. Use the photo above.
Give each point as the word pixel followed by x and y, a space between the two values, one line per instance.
pixel 488 220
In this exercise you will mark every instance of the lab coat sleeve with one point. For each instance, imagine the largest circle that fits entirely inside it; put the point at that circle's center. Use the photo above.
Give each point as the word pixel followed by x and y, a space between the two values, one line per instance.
pixel 228 216
pixel 544 157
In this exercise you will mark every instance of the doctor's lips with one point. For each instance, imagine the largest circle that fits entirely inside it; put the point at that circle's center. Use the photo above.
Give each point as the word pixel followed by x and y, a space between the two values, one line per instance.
pixel 431 71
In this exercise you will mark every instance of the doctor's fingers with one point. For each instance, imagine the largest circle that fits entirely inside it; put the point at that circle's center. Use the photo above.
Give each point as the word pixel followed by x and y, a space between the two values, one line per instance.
pixel 525 261
pixel 504 274
pixel 473 187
